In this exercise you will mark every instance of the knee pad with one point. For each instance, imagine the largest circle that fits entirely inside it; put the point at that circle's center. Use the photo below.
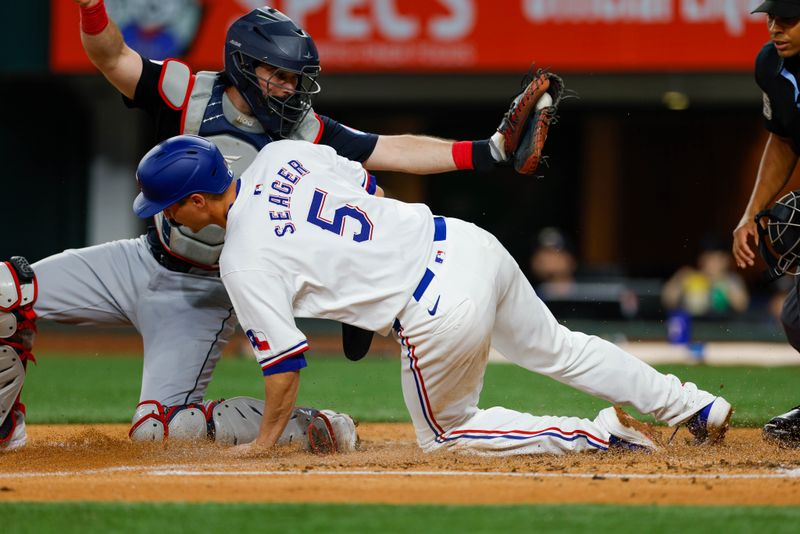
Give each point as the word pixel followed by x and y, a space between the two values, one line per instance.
pixel 188 423
pixel 153 421
pixel 148 422
pixel 18 286
pixel 18 292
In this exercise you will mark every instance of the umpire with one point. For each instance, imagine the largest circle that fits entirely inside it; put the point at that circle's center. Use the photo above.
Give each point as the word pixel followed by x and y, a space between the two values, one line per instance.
pixel 777 70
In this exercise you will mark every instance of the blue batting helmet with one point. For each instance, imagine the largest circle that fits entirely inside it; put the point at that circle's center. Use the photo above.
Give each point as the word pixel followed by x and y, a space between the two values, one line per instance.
pixel 266 35
pixel 176 168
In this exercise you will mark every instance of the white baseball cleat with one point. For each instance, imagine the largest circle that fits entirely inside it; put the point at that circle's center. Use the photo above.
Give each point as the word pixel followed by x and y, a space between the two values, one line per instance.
pixel 626 432
pixel 18 437
pixel 710 423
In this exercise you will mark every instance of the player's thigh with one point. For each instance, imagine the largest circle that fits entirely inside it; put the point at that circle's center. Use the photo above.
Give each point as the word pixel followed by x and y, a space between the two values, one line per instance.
pixel 186 322
pixel 93 285
pixel 442 369
pixel 525 330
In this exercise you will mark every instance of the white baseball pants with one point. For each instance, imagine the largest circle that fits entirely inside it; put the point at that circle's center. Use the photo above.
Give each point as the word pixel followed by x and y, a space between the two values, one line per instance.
pixel 479 298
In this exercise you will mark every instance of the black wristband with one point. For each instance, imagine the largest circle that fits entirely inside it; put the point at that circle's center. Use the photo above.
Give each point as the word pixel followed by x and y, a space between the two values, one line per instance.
pixel 482 159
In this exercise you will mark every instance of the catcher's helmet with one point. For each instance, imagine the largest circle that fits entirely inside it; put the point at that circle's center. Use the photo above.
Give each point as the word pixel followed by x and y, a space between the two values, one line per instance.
pixel 176 168
pixel 779 235
pixel 265 35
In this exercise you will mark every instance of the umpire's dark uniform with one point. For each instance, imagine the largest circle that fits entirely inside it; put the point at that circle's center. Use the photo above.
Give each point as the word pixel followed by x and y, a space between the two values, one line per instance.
pixel 778 78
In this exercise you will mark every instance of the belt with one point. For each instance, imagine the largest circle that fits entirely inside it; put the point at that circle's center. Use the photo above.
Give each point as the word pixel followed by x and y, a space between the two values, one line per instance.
pixel 439 234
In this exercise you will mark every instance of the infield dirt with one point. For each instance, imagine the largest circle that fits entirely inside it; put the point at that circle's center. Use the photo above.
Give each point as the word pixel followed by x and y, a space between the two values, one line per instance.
pixel 99 463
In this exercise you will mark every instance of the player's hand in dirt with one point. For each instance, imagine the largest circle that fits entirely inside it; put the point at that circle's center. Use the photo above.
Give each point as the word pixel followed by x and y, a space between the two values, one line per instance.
pixel 742 252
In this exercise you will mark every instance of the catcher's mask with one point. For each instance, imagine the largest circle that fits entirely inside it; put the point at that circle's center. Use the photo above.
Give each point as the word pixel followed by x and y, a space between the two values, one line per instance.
pixel 779 236
pixel 265 35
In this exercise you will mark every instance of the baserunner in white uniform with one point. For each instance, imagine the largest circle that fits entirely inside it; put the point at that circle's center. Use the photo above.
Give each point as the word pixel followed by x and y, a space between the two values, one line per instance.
pixel 305 239
pixel 166 283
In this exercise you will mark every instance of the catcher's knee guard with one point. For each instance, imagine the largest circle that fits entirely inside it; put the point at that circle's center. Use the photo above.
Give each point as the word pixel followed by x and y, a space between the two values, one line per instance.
pixel 154 422
pixel 18 290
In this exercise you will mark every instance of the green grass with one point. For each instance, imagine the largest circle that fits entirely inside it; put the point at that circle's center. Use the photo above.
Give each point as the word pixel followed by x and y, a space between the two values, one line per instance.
pixel 76 389
pixel 91 390
pixel 349 519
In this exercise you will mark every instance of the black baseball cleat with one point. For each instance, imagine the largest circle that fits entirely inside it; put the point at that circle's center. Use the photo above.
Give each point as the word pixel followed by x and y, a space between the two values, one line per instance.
pixel 784 429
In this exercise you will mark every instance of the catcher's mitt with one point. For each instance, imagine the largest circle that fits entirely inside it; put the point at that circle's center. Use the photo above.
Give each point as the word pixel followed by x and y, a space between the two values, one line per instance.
pixel 525 124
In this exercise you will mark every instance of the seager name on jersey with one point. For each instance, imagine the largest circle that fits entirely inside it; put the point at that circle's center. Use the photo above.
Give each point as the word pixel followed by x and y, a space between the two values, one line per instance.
pixel 284 185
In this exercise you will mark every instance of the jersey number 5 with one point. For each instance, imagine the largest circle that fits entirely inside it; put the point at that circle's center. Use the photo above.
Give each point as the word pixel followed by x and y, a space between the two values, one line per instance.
pixel 339 218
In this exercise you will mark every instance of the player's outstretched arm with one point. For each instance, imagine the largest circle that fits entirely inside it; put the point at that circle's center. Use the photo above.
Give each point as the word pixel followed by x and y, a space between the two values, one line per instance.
pixel 280 395
pixel 414 154
pixel 777 163
pixel 519 139
pixel 106 48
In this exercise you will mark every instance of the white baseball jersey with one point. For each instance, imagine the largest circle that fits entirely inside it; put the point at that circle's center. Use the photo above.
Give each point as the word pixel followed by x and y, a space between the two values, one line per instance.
pixel 304 239
pixel 304 226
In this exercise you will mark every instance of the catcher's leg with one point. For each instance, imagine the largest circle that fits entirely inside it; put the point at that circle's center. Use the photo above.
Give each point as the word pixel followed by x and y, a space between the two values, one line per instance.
pixel 186 320
pixel 152 421
pixel 18 291
pixel 237 420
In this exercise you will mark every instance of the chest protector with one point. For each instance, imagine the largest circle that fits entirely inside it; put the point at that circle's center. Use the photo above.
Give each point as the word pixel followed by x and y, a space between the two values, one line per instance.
pixel 210 113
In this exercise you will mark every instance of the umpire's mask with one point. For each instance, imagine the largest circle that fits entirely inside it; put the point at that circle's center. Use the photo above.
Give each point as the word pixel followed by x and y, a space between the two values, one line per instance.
pixel 779 236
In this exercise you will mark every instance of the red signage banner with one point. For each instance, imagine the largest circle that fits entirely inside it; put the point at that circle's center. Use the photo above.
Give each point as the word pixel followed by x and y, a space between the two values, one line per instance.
pixel 448 35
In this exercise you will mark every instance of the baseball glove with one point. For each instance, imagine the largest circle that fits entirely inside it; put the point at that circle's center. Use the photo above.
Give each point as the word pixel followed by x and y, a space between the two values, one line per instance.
pixel 525 124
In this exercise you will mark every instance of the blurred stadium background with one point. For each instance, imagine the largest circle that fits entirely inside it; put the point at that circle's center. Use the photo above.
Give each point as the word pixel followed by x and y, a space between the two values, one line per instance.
pixel 657 152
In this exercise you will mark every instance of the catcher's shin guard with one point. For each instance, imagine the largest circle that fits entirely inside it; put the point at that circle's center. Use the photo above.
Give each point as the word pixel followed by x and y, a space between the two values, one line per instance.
pixel 237 420
pixel 18 291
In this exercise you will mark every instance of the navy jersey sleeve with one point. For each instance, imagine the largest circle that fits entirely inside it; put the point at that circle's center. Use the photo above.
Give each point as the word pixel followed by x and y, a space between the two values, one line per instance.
pixel 148 98
pixel 766 65
pixel 348 142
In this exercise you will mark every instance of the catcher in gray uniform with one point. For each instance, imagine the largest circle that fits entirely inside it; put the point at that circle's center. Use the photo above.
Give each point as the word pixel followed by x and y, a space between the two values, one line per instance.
pixel 166 283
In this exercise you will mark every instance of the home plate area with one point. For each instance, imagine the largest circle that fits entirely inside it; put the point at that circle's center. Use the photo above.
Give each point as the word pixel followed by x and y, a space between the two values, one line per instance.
pixel 99 463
